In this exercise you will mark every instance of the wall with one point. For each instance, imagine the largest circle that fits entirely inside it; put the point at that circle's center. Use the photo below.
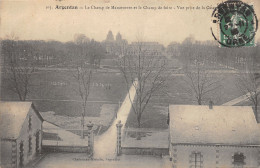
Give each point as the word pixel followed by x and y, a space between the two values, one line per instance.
pixel 7 158
pixel 214 156
pixel 24 137
pixel 71 149
pixel 145 151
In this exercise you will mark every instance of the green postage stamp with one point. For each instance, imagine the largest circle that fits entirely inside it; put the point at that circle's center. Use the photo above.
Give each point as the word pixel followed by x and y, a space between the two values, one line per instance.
pixel 236 24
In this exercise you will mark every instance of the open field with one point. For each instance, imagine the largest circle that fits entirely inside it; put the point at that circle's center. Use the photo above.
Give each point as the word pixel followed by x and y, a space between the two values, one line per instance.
pixel 55 90
pixel 156 113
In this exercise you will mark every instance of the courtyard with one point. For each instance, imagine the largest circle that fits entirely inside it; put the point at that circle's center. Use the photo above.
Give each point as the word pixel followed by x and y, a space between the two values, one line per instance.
pixel 81 160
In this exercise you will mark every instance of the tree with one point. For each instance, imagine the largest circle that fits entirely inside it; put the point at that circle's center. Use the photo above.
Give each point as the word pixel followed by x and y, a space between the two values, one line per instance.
pixel 95 52
pixel 19 66
pixel 149 72
pixel 197 60
pixel 83 77
pixel 200 82
pixel 89 58
pixel 249 85
pixel 81 38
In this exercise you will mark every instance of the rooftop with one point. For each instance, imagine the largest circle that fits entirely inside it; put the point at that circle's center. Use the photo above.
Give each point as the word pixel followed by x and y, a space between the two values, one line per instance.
pixel 194 124
pixel 12 116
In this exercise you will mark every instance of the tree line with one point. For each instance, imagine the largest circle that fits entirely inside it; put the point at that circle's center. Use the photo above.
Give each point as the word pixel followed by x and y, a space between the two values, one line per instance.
pixel 49 53
pixel 209 53
pixel 21 58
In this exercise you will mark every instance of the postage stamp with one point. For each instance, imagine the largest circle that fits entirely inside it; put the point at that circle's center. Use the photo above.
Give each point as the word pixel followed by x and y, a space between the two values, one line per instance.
pixel 236 23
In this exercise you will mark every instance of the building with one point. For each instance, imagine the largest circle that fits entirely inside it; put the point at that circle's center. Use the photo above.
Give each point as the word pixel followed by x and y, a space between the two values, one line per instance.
pixel 20 132
pixel 146 49
pixel 115 47
pixel 213 136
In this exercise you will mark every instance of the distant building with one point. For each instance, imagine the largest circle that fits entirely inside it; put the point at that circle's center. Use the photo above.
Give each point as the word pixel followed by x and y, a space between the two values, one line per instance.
pixel 115 47
pixel 173 50
pixel 20 132
pixel 118 37
pixel 110 37
pixel 145 48
pixel 109 43
pixel 214 136
pixel 120 45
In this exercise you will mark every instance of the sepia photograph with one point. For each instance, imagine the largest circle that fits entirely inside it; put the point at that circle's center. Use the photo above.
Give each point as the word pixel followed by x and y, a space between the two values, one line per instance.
pixel 129 84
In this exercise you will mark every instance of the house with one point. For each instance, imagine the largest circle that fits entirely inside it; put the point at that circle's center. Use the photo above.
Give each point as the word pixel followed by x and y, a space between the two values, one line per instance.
pixel 20 132
pixel 213 136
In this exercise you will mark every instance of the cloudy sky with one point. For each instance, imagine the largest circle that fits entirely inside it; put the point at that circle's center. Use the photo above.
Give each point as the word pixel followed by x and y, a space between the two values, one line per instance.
pixel 30 19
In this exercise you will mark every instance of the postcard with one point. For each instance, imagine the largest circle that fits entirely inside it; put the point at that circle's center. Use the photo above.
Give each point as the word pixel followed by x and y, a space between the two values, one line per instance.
pixel 129 83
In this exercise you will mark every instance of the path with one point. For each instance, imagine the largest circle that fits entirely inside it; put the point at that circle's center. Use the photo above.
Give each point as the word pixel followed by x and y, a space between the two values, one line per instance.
pixel 238 100
pixel 105 145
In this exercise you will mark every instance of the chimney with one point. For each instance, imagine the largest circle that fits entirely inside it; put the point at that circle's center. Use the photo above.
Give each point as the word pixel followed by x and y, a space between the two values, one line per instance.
pixel 210 104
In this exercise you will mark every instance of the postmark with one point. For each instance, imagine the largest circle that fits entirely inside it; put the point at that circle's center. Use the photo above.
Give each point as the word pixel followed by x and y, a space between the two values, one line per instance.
pixel 234 24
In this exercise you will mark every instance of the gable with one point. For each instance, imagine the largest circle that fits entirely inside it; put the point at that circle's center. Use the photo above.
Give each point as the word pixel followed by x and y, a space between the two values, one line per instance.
pixel 12 117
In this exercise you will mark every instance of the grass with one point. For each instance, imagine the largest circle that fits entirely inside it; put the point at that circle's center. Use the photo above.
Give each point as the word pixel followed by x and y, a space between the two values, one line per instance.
pixel 69 108
pixel 57 91
pixel 153 117
pixel 156 113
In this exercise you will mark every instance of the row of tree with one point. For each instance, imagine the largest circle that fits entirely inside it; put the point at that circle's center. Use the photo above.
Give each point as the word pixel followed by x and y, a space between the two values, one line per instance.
pixel 48 53
pixel 190 51
pixel 20 59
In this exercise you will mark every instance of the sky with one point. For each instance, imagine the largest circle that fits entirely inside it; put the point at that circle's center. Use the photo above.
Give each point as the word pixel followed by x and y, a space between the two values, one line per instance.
pixel 32 20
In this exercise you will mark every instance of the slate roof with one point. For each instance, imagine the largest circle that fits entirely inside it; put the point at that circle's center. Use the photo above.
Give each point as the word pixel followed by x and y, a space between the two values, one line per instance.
pixel 194 124
pixel 12 116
